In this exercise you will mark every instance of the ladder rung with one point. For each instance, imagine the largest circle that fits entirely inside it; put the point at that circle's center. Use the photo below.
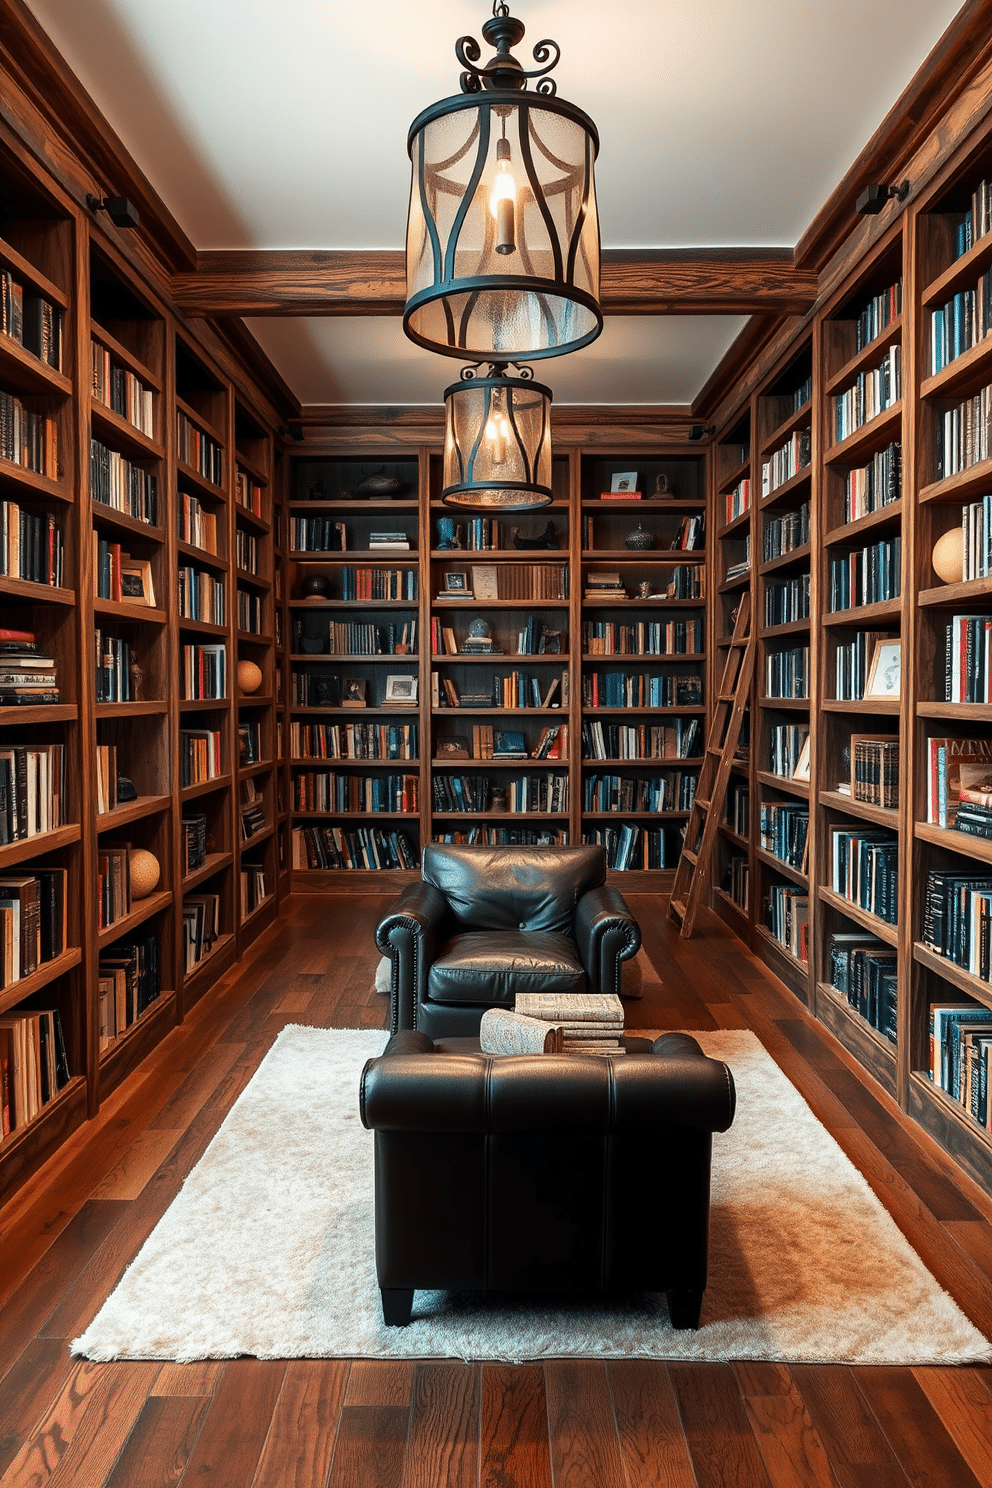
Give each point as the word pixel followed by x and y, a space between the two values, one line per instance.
pixel 726 697
pixel 690 857
pixel 703 805
pixel 714 750
pixel 678 905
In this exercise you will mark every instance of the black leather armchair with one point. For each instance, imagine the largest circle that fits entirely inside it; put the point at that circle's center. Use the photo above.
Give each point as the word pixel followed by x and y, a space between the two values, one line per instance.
pixel 488 922
pixel 546 1172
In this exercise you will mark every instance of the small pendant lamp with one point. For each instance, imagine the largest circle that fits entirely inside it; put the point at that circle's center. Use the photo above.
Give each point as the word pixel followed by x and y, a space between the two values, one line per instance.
pixel 497 446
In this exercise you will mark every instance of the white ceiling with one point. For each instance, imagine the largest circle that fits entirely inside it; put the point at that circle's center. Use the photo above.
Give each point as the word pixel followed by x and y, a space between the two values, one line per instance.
pixel 264 125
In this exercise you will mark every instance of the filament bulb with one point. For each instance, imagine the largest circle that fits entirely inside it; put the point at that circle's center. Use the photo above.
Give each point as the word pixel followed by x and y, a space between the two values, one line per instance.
pixel 503 200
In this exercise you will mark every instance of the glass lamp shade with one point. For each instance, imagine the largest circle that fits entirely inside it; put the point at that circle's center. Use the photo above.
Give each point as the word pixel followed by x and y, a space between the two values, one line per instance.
pixel 502 254
pixel 497 445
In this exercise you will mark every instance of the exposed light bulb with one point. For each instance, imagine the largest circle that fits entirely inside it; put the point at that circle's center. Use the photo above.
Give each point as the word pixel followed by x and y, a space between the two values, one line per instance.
pixel 497 431
pixel 503 200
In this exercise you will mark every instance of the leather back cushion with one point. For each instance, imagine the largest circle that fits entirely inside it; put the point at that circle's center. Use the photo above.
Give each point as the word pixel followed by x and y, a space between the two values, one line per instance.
pixel 514 888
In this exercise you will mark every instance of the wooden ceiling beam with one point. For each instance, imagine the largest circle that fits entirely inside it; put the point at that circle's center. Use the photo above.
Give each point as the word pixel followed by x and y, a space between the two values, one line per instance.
pixel 678 281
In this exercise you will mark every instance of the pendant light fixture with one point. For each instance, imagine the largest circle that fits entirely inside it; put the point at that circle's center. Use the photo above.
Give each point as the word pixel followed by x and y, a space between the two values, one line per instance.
pixel 502 255
pixel 497 445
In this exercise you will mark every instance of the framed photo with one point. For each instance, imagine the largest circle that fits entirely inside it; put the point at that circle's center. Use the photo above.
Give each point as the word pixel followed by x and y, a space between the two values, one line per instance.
pixel 401 689
pixel 136 582
pixel 457 583
pixel 623 480
pixel 884 675
pixel 353 692
pixel 801 772
pixel 484 582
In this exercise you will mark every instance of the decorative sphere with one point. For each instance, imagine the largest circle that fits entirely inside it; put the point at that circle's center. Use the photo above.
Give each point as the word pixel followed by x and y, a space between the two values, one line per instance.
pixel 479 628
pixel 948 556
pixel 144 872
pixel 639 540
pixel 316 586
pixel 249 676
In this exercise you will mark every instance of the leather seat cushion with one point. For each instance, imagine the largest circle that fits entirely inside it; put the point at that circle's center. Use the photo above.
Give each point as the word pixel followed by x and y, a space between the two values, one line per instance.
pixel 490 967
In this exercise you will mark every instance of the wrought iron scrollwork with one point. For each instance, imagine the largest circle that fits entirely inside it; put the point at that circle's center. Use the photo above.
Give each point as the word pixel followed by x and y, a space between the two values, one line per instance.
pixel 504 70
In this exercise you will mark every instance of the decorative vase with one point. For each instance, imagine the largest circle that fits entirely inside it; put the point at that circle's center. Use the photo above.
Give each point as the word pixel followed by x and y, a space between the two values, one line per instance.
pixel 145 870
pixel 948 556
pixel 447 534
pixel 316 586
pixel 639 540
pixel 249 676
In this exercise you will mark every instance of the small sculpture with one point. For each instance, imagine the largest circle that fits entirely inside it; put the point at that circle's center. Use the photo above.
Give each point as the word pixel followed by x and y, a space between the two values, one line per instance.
pixel 948 556
pixel 137 679
pixel 448 534
pixel 663 486
pixel 378 484
pixel 480 628
pixel 144 872
pixel 249 676
pixel 639 540
pixel 547 538
pixel 316 586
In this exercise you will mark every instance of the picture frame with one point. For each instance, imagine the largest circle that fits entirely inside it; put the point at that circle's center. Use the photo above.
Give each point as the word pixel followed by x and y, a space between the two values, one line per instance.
pixel 623 480
pixel 137 586
pixel 885 672
pixel 456 582
pixel 801 772
pixel 353 690
pixel 485 584
pixel 401 689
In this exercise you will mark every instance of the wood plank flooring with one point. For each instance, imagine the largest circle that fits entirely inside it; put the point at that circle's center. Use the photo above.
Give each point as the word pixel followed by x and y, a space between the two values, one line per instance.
pixel 443 1424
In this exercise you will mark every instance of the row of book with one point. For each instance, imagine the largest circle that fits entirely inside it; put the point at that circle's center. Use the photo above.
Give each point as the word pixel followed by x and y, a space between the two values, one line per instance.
pixel 246 550
pixel 358 741
pixel 32 921
pixel 960 1034
pixel 28 438
pixel 737 881
pixel 30 320
pixel 517 794
pixel 201 928
pixel 738 817
pixel 250 610
pixel 124 486
pixel 964 434
pixel 786 533
pixel 641 690
pixel 863 968
pixel 870 487
pixel 871 394
pixel 193 841
pixel 880 311
pixel 118 389
pixel 737 501
pixel 366 638
pixel 976 221
pixel 506 744
pixel 196 524
pixel 866 575
pixel 106 778
pixel 486 835
pixel 113 882
pixel 199 451
pixel 787 461
pixel 31 545
pixel 379 583
pixel 853 662
pixel 875 770
pixel 672 790
pixel 784 832
pixel 976 522
pixel 788 749
pixel 864 870
pixel 200 756
pixel 787 600
pixel 34 1066
pixel 32 790
pixel 956 766
pixel 202 596
pixel 960 324
pixel 957 919
pixel 115 682
pixel 643 638
pixel 128 983
pixel 317 535
pixel 251 809
pixel 248 492
pixel 967 645
pixel 204 671
pixel 787 919
pixel 512 690
pixel 254 891
pixel 636 741
pixel 630 847
pixel 364 847
pixel 802 394
pixel 325 790
pixel 119 577
pixel 787 673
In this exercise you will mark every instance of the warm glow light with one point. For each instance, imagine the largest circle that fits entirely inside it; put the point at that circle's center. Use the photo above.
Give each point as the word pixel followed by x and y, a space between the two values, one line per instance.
pixel 497 431
pixel 503 199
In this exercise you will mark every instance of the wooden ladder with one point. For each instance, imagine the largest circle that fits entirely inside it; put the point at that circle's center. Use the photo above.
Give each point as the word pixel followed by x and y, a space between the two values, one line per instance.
pixel 711 787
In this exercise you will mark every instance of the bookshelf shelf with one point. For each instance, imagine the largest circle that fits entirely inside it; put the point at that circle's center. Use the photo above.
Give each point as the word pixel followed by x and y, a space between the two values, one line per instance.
pixel 132 811
pixel 127 924
pixel 35 846
pixel 36 981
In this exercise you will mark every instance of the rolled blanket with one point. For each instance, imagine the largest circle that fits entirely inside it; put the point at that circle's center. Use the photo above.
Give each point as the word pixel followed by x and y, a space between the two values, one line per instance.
pixel 503 1032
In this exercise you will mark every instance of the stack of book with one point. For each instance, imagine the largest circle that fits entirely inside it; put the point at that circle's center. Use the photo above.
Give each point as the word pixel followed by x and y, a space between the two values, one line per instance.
pixel 26 676
pixel 590 1023
pixel 602 585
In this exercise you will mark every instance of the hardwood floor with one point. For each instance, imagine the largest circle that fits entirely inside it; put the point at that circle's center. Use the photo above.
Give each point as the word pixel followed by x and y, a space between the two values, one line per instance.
pixel 442 1424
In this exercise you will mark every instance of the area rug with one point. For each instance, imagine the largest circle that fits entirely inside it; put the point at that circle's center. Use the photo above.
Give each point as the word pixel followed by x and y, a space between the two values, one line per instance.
pixel 268 1248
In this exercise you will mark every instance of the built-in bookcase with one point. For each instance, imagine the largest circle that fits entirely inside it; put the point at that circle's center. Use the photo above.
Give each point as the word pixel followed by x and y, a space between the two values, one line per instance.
pixel 733 501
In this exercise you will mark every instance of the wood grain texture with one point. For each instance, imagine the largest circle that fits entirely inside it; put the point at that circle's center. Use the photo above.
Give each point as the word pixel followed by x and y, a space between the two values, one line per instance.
pixel 443 1443
pixel 300 1440
pixel 585 1447
pixel 926 1450
pixel 514 1432
pixel 860 1456
pixel 722 1446
pixel 652 1443
pixel 159 1444
pixel 789 1444
pixel 719 281
pixel 233 1434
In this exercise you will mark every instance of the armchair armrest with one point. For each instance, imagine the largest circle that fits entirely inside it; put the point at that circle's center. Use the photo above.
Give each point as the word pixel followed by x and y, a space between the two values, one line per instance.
pixel 606 934
pixel 411 935
pixel 711 1080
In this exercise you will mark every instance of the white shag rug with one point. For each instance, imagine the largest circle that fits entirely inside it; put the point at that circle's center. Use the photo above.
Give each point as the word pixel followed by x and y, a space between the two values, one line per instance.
pixel 268 1249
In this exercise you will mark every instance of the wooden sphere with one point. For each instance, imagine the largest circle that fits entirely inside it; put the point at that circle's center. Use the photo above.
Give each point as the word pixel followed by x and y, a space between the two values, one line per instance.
pixel 249 676
pixel 948 556
pixel 144 872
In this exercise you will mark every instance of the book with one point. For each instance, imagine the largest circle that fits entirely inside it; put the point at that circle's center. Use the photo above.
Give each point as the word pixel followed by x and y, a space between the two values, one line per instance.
pixel 946 756
pixel 509 744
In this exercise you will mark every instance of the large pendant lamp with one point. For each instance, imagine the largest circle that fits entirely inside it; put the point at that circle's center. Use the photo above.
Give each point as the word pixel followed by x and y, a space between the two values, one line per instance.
pixel 502 252
pixel 497 445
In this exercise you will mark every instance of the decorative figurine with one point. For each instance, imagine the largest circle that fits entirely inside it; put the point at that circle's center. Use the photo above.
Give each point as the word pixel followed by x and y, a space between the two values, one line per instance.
pixel 137 679
pixel 448 534
pixel 662 486
pixel 547 538
pixel 316 586
pixel 638 539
